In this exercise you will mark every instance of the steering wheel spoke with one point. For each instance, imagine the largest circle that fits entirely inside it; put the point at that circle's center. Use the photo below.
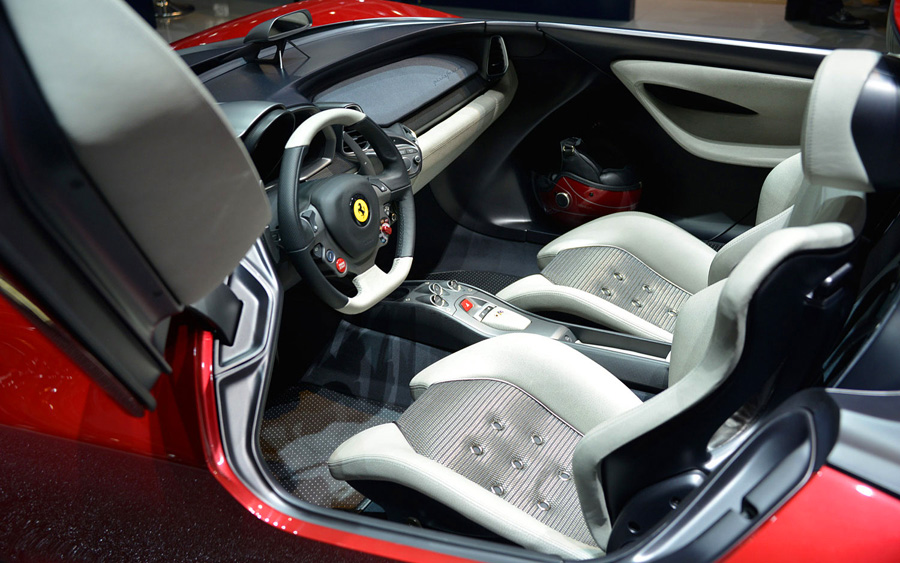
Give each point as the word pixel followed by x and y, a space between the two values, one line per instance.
pixel 334 227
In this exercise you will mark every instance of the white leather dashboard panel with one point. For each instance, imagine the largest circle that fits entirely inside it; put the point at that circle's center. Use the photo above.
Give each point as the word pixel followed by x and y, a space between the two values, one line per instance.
pixel 448 139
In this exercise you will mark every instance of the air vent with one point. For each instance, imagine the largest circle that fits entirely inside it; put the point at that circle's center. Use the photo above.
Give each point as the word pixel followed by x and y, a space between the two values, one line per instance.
pixel 356 136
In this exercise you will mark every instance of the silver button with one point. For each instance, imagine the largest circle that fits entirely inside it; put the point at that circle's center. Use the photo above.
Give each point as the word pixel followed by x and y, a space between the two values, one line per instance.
pixel 544 506
pixel 672 312
pixel 565 475
pixel 647 288
pixel 518 464
pixel 497 425
pixel 497 490
pixel 537 440
pixel 476 449
pixel 619 276
pixel 637 303
pixel 606 291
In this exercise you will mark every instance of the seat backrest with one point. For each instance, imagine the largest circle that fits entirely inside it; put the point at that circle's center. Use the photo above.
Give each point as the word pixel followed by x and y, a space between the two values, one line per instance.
pixel 826 180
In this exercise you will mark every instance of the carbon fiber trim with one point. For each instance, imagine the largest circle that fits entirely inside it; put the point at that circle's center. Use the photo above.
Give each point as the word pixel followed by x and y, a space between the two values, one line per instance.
pixel 619 277
pixel 498 436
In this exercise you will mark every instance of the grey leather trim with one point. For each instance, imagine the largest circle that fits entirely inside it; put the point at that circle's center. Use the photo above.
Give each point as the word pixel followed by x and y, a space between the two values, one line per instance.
pixel 382 451
pixel 390 92
pixel 736 249
pixel 149 135
pixel 830 157
pixel 780 188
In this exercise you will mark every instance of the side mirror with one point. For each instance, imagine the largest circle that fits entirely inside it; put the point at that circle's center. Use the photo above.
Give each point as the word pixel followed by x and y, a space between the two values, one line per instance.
pixel 277 32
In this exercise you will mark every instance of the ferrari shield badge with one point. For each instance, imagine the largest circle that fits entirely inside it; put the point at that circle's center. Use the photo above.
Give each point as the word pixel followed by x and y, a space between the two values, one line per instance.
pixel 360 210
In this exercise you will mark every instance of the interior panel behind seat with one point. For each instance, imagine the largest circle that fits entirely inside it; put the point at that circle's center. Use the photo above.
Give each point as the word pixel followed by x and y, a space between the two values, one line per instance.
pixel 721 114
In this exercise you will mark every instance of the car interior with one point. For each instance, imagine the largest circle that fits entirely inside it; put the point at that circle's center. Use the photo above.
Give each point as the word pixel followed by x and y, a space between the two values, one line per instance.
pixel 505 289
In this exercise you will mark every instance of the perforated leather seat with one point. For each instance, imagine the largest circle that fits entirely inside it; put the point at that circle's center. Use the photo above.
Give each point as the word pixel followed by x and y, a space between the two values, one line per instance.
pixel 510 431
pixel 633 272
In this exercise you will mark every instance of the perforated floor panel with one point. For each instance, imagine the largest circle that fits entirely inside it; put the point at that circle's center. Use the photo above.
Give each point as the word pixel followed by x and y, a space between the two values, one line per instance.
pixel 302 428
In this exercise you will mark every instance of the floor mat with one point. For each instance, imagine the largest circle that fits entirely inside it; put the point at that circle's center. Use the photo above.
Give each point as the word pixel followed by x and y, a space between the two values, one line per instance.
pixel 359 380
pixel 492 282
pixel 301 430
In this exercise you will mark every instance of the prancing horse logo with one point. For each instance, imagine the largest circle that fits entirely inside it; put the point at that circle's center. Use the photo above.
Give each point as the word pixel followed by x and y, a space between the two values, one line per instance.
pixel 360 210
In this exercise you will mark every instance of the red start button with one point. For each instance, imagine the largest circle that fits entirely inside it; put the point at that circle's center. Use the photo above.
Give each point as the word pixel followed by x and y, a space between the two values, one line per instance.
pixel 466 305
pixel 341 265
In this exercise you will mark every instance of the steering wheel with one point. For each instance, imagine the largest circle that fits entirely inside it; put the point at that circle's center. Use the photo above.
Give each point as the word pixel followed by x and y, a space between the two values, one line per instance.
pixel 339 223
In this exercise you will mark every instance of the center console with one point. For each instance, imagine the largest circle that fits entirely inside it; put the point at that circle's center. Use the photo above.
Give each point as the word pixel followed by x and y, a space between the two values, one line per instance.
pixel 452 315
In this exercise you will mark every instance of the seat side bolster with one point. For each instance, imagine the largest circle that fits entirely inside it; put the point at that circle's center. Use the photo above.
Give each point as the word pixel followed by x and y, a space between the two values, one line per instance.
pixel 382 453
pixel 670 250
pixel 732 253
pixel 537 293
pixel 562 384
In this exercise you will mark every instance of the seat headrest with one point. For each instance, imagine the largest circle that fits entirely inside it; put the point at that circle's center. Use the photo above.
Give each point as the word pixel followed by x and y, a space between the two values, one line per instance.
pixel 830 154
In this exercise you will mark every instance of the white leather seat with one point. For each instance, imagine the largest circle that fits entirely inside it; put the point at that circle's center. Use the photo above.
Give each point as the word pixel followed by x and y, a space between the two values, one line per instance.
pixel 509 432
pixel 633 272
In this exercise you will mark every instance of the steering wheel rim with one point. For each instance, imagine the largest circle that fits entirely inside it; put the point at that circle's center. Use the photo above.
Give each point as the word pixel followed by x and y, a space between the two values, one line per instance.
pixel 305 209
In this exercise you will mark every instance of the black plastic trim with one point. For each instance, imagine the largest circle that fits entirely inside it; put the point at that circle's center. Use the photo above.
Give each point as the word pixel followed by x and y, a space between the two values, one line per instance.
pixel 687 99
pixel 221 310
pixel 876 125
pixel 769 467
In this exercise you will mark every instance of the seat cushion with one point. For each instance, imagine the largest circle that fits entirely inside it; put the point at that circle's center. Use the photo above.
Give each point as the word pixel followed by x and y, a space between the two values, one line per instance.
pixel 630 272
pixel 665 247
pixel 606 285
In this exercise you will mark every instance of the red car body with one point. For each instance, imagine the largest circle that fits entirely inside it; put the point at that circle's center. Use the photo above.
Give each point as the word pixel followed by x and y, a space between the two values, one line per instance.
pixel 48 403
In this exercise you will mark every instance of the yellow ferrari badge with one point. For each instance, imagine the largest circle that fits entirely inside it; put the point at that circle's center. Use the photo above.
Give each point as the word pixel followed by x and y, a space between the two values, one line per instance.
pixel 361 211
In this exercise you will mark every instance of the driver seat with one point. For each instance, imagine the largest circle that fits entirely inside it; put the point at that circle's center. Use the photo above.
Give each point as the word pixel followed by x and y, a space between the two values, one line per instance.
pixel 633 272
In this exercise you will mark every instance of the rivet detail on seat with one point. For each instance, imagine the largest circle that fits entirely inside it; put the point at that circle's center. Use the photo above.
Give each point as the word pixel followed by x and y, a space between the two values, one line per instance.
pixel 497 490
pixel 565 475
pixel 671 312
pixel 537 440
pixel 637 303
pixel 476 449
pixel 619 276
pixel 544 505
pixel 497 425
pixel 606 291
pixel 518 464
pixel 647 288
